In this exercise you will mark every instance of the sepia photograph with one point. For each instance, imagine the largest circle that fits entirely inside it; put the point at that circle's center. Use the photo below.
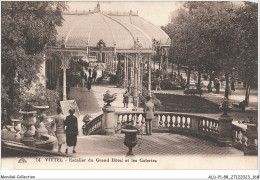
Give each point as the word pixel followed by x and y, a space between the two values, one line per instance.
pixel 129 85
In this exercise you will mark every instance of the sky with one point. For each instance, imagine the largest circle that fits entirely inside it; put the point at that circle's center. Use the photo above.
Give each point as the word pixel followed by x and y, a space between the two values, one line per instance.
pixel 157 13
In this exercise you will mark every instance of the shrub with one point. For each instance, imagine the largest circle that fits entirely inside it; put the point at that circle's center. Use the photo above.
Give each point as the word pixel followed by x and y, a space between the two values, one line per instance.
pixel 42 96
pixel 142 98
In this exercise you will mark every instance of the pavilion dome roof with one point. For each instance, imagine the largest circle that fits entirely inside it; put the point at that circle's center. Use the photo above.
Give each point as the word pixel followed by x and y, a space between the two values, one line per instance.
pixel 120 31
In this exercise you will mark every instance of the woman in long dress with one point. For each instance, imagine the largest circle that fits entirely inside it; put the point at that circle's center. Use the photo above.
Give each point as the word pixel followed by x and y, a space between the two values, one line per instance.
pixel 60 128
pixel 71 126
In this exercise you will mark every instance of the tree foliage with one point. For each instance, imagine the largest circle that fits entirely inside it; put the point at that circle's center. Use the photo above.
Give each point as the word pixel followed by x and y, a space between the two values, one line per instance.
pixel 216 38
pixel 27 27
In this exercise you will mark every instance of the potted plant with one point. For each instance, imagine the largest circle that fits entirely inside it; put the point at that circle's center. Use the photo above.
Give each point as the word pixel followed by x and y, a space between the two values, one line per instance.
pixel 108 98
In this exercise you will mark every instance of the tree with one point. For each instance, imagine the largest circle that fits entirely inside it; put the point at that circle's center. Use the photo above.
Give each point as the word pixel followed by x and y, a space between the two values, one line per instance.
pixel 204 38
pixel 247 29
pixel 27 27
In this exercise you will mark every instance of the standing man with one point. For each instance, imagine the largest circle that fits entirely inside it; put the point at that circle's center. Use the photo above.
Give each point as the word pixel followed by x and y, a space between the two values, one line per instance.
pixel 149 112
pixel 126 99
pixel 232 85
pixel 89 72
pixel 94 75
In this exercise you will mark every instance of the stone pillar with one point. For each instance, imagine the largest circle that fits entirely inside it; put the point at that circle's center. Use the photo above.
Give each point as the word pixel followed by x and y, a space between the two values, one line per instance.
pixel 149 77
pixel 225 133
pixel 43 72
pixel 195 126
pixel 64 85
pixel 64 67
pixel 109 122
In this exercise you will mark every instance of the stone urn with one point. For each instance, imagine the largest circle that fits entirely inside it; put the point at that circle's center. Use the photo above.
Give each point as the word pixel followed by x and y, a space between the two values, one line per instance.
pixel 29 128
pixel 108 98
pixel 41 115
pixel 130 140
pixel 225 107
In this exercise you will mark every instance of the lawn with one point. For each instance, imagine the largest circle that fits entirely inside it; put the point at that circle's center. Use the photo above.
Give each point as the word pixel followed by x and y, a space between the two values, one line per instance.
pixel 186 103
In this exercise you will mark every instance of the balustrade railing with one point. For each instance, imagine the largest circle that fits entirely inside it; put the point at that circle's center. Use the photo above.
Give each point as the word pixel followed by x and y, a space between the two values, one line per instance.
pixel 93 125
pixel 245 139
pixel 174 122
pixel 204 127
pixel 239 139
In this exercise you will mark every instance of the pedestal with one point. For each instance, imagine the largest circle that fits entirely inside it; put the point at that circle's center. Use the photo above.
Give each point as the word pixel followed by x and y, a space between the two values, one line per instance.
pixel 28 122
pixel 109 122
pixel 225 133
pixel 251 134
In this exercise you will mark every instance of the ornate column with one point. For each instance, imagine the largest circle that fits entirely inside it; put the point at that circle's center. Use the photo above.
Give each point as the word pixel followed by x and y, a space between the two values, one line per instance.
pixel 138 74
pixel 167 61
pixel 149 76
pixel 135 84
pixel 114 59
pixel 125 74
pixel 136 77
pixel 64 66
pixel 141 75
pixel 131 75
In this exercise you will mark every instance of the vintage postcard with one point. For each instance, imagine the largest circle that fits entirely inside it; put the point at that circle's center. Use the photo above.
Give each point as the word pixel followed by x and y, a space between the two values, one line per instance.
pixel 129 85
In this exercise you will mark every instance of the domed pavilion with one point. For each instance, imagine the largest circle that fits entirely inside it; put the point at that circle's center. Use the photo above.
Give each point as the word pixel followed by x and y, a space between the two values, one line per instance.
pixel 110 39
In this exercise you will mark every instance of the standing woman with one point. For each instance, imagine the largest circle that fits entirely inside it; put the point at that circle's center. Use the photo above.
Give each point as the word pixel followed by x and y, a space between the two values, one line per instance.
pixel 71 128
pixel 60 129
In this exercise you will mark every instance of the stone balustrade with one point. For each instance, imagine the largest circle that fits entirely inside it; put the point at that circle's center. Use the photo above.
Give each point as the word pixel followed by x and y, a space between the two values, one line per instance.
pixel 245 138
pixel 173 122
pixel 92 126
pixel 219 130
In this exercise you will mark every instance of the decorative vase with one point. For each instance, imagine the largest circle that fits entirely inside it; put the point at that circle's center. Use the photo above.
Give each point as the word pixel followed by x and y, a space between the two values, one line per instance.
pixel 130 140
pixel 225 106
pixel 28 123
pixel 109 98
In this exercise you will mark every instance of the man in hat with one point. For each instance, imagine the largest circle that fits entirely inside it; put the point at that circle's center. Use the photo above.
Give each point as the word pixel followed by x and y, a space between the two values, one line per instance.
pixel 149 115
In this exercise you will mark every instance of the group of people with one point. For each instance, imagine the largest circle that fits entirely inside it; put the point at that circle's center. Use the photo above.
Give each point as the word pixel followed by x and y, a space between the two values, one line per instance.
pixel 217 87
pixel 148 109
pixel 91 78
pixel 66 129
